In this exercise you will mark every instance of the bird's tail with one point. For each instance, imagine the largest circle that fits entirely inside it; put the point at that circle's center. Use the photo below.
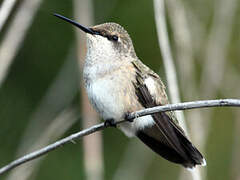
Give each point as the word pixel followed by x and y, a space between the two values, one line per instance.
pixel 185 153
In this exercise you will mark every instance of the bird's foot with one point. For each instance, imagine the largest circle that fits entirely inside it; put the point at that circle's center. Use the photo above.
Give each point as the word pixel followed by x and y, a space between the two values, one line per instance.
pixel 110 123
pixel 127 117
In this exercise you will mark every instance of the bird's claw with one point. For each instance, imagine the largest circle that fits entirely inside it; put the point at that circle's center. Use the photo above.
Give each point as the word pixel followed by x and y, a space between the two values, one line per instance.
pixel 110 123
pixel 127 117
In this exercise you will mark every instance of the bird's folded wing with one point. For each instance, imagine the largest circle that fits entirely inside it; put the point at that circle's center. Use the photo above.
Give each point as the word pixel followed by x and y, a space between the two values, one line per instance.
pixel 171 134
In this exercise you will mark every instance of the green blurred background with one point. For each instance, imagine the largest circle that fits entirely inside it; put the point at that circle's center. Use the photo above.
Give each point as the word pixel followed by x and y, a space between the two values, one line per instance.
pixel 40 97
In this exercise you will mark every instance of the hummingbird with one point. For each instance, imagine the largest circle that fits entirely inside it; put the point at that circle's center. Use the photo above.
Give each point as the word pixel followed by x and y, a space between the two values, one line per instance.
pixel 118 83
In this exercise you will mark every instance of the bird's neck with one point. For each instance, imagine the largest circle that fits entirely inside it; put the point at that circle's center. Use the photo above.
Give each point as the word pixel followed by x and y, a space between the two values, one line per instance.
pixel 98 67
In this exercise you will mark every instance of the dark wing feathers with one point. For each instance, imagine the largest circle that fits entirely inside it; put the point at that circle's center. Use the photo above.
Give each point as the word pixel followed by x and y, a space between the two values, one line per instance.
pixel 166 137
pixel 165 127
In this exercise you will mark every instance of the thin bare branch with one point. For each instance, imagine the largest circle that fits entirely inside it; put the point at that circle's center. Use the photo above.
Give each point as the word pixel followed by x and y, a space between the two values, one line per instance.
pixel 48 116
pixel 101 126
pixel 55 129
pixel 51 147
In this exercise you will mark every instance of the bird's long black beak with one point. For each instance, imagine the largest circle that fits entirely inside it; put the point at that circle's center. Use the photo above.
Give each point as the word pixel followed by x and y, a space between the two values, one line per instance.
pixel 85 29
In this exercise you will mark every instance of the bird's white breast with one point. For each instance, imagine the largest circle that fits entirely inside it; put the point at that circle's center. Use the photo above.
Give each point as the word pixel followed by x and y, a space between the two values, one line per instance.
pixel 105 97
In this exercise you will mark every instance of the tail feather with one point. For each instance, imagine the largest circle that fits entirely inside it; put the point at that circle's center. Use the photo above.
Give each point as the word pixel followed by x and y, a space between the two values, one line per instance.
pixel 166 137
pixel 149 137
pixel 194 155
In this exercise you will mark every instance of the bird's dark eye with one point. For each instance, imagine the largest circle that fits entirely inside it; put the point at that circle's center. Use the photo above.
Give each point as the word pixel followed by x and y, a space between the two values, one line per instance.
pixel 115 37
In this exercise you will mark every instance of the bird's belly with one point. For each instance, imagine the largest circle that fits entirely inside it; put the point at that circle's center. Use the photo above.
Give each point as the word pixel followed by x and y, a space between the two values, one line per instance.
pixel 130 128
pixel 114 96
pixel 107 98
